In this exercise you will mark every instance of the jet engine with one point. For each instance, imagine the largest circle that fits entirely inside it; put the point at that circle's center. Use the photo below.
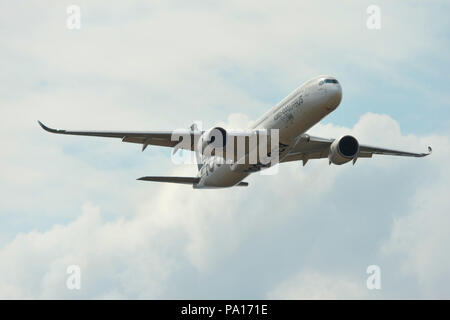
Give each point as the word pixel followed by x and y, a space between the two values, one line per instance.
pixel 343 150
pixel 215 138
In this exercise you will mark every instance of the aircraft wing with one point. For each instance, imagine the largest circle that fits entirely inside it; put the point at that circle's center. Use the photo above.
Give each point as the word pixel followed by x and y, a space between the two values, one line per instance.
pixel 188 138
pixel 310 147
pixel 158 138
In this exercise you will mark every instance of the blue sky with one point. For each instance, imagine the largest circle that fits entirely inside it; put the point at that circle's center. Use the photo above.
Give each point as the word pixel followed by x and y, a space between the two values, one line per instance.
pixel 307 232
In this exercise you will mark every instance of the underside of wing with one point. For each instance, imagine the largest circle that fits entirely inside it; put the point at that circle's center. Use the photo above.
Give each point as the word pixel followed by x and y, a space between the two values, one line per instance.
pixel 390 152
pixel 310 147
pixel 307 147
pixel 158 138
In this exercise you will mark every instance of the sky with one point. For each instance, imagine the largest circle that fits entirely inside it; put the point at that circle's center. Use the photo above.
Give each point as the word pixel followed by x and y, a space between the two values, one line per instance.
pixel 306 232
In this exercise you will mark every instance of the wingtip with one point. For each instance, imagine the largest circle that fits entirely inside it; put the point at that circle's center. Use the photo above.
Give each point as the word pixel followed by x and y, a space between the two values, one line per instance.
pixel 430 151
pixel 43 126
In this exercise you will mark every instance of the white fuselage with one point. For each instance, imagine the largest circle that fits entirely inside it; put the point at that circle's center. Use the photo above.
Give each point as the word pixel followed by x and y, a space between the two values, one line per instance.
pixel 292 116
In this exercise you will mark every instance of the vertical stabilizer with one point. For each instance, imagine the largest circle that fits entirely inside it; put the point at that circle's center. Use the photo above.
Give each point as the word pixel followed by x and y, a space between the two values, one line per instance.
pixel 198 156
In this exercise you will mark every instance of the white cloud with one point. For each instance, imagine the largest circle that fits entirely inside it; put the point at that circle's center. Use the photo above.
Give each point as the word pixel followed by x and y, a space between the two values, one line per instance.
pixel 314 285
pixel 162 66
pixel 111 256
pixel 173 229
pixel 421 238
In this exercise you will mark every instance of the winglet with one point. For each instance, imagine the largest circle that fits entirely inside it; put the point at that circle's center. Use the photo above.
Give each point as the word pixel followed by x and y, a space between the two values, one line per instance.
pixel 430 150
pixel 43 126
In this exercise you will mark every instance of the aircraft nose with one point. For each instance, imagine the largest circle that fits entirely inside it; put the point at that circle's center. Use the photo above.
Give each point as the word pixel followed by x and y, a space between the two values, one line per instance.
pixel 338 93
pixel 335 95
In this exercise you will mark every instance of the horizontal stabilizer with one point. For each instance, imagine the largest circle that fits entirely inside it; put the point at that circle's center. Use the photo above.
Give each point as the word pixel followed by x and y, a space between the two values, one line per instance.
pixel 182 180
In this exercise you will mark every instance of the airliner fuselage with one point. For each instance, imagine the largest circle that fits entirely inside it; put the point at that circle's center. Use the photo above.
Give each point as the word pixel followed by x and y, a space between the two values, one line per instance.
pixel 292 116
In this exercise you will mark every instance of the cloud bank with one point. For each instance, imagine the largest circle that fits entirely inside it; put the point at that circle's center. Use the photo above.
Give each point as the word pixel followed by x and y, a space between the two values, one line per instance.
pixel 321 228
pixel 307 232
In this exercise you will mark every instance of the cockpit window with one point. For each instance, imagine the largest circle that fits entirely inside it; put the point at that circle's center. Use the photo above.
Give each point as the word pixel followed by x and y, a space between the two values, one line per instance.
pixel 331 81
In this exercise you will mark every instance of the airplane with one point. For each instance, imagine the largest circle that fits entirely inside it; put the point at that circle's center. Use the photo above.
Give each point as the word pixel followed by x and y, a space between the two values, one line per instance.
pixel 292 117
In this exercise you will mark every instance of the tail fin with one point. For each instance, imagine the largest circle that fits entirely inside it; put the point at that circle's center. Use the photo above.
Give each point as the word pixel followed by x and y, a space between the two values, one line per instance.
pixel 198 156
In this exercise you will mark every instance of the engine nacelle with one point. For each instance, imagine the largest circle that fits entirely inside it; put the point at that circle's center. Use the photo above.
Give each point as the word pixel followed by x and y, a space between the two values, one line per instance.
pixel 215 138
pixel 343 150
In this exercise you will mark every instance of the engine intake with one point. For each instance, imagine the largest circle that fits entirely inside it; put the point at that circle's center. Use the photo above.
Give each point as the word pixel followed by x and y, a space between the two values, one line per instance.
pixel 215 138
pixel 343 150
